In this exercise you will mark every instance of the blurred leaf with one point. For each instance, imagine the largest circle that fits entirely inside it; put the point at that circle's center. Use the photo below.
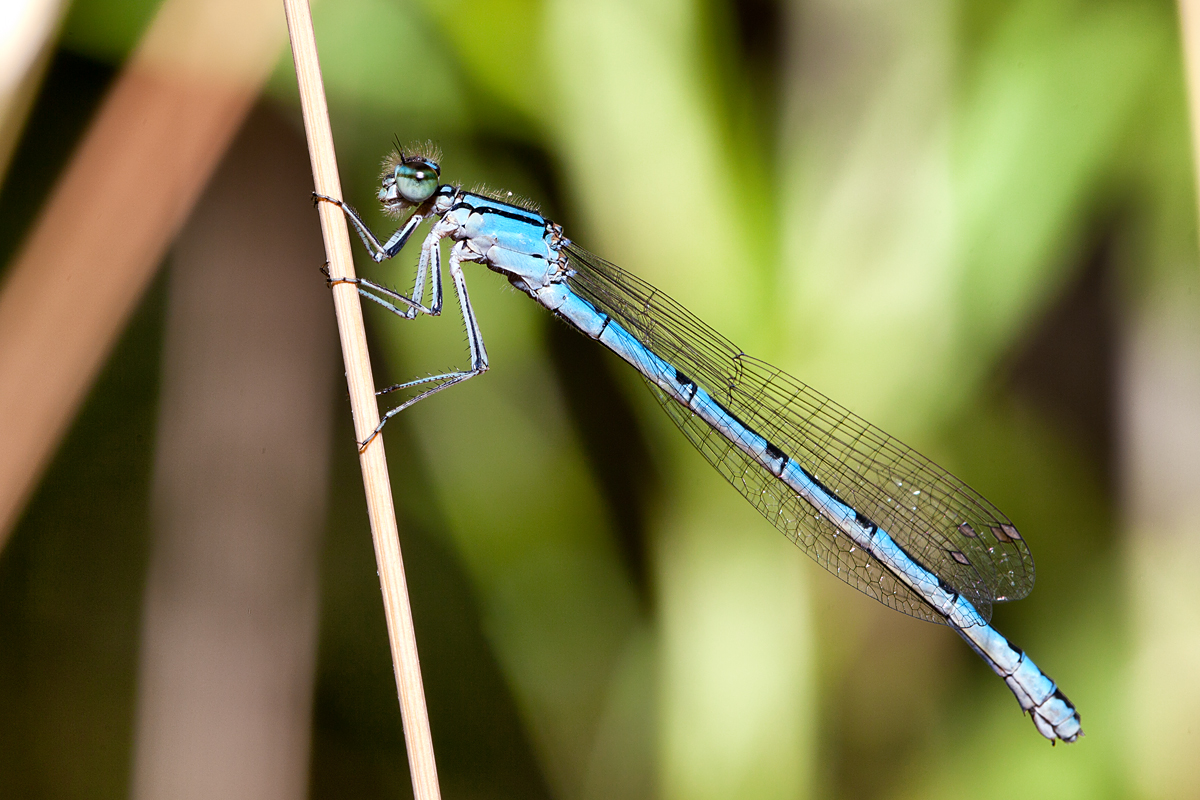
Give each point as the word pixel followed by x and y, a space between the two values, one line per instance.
pixel 384 54
pixel 105 30
pixel 1054 92
pixel 497 43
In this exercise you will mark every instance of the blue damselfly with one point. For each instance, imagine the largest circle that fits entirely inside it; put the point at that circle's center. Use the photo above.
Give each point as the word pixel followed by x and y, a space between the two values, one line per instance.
pixel 866 507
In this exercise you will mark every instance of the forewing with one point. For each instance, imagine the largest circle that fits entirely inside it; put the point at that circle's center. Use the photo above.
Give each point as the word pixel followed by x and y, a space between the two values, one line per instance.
pixel 940 521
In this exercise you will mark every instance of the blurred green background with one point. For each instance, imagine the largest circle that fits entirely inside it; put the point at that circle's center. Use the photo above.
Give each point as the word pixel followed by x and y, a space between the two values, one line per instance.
pixel 969 222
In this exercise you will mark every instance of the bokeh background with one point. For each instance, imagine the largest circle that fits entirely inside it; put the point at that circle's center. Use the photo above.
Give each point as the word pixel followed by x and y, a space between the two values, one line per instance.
pixel 973 223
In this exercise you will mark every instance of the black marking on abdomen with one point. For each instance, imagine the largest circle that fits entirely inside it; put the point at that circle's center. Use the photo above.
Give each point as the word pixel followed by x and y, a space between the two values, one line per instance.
pixel 773 451
pixel 685 381
pixel 780 456
pixel 872 529
pixel 865 523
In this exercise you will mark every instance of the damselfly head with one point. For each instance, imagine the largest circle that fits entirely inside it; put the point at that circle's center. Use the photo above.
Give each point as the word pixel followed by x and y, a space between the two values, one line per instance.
pixel 408 179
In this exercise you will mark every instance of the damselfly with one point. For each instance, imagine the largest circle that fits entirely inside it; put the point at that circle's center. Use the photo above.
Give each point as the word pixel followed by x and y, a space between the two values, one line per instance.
pixel 869 509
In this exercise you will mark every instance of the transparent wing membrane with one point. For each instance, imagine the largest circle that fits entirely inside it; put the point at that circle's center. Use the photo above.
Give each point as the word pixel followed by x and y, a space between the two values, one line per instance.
pixel 940 521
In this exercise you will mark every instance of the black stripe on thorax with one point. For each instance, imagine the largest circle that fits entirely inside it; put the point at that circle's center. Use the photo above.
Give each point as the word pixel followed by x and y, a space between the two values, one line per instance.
pixel 500 209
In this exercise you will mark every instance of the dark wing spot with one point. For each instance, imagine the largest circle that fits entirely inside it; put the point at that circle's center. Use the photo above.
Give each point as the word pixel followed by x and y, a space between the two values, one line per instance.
pixel 1000 534
pixel 959 557
pixel 966 530
pixel 1011 531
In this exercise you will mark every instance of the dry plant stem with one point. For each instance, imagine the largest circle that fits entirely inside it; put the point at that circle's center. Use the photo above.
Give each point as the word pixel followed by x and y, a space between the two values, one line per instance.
pixel 363 405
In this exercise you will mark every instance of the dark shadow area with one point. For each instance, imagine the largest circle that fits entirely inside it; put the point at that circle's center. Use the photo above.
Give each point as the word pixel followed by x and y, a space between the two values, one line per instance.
pixel 1066 365
pixel 71 581
pixel 71 574
pixel 759 27
pixel 70 93
pixel 613 441
pixel 358 741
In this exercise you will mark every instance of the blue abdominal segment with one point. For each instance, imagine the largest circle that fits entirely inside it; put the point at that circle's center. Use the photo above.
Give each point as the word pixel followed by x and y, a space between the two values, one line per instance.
pixel 866 507
pixel 1053 715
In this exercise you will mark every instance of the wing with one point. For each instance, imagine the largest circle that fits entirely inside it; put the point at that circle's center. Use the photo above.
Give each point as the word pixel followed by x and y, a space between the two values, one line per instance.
pixel 940 521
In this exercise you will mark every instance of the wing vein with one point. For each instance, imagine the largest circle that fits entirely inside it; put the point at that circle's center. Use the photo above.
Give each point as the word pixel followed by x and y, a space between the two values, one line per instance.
pixel 918 503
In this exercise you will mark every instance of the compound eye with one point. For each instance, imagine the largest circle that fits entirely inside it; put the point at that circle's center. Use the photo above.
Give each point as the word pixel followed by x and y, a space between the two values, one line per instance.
pixel 416 181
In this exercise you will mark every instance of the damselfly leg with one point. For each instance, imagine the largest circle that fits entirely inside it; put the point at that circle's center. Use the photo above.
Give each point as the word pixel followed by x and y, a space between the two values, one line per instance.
pixel 381 252
pixel 429 263
pixel 869 509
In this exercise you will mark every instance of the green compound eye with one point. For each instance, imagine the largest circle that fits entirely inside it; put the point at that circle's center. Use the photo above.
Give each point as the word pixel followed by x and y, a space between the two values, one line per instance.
pixel 416 180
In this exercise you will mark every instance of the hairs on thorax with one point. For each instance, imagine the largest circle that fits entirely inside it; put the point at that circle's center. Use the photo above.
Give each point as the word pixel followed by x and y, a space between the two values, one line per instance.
pixel 505 196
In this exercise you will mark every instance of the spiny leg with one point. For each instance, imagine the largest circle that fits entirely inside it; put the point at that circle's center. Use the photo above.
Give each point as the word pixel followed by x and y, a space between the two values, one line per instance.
pixel 430 261
pixel 380 252
pixel 475 346
pixel 413 305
